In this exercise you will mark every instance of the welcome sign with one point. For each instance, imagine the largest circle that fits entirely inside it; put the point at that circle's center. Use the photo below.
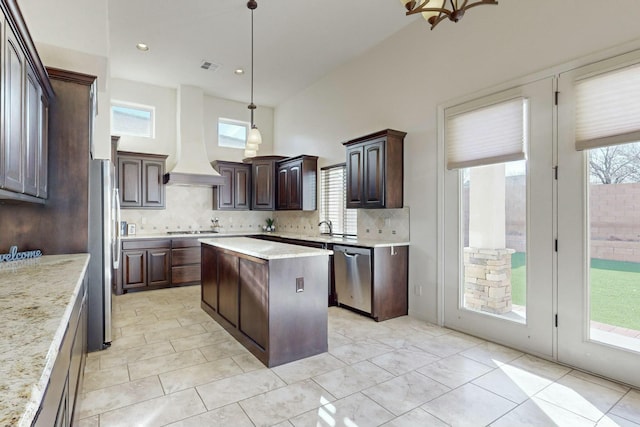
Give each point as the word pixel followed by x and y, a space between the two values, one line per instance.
pixel 14 255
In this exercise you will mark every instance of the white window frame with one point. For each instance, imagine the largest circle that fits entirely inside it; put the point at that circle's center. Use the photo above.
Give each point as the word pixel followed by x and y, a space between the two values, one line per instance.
pixel 246 125
pixel 133 106
pixel 347 223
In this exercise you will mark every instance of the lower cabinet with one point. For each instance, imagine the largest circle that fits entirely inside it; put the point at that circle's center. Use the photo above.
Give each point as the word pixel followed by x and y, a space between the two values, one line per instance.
pixel 390 279
pixel 373 281
pixel 145 264
pixel 59 403
pixel 185 262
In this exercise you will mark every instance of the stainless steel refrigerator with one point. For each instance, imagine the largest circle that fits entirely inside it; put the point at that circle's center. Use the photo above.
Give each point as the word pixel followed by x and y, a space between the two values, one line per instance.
pixel 104 245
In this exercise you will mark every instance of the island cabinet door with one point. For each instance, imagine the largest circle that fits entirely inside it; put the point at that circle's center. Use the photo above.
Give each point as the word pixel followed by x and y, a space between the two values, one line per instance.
pixel 254 301
pixel 209 277
pixel 228 266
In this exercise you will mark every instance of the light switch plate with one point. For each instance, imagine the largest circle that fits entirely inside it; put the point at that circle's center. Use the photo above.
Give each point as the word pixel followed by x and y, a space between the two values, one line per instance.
pixel 299 284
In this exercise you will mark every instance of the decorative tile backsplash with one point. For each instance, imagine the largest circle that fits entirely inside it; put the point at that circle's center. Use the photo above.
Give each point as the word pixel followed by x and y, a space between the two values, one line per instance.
pixel 297 222
pixel 190 208
pixel 384 224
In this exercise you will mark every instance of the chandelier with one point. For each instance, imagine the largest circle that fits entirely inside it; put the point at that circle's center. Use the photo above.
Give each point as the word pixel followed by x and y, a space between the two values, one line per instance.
pixel 435 11
pixel 253 138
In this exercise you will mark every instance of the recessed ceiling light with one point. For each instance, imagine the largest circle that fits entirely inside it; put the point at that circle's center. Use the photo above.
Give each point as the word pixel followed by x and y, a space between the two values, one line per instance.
pixel 238 71
pixel 142 46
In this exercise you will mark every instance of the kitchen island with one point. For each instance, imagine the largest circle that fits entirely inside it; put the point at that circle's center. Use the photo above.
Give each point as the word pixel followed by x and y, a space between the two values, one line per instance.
pixel 272 297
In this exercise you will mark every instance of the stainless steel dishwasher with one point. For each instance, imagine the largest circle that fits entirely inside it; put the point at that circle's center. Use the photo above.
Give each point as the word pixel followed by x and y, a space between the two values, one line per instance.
pixel 352 269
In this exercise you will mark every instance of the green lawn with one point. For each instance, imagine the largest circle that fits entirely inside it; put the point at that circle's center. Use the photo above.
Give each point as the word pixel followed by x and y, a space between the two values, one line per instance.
pixel 615 290
pixel 518 279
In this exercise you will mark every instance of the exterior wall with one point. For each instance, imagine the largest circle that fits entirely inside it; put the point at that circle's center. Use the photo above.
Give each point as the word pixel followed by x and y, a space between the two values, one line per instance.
pixel 615 221
pixel 614 215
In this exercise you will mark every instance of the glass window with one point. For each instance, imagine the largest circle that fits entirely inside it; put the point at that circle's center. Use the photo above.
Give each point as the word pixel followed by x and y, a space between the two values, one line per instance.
pixel 488 145
pixel 333 201
pixel 232 133
pixel 132 120
pixel 494 213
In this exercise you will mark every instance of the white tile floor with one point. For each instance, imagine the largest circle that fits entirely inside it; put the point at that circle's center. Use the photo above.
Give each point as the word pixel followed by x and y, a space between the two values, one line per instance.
pixel 171 364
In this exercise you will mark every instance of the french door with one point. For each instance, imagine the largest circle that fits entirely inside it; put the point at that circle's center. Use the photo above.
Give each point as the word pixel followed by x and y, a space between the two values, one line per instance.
pixel 501 288
pixel 598 245
pixel 568 228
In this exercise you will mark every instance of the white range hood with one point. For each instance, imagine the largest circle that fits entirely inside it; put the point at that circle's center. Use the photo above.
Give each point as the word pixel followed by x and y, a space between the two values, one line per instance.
pixel 192 167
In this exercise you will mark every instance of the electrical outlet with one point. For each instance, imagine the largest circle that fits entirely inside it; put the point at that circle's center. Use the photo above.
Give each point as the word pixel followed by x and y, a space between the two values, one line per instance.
pixel 299 284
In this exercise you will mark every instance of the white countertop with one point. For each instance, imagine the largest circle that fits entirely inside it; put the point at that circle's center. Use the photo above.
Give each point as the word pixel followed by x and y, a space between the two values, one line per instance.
pixel 36 300
pixel 264 249
pixel 323 238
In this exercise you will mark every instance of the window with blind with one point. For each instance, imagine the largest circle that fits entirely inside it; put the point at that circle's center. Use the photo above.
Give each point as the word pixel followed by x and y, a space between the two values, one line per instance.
pixel 333 201
pixel 607 108
pixel 487 134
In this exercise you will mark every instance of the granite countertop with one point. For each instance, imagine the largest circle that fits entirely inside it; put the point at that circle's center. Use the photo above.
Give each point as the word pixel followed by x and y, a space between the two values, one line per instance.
pixel 36 297
pixel 323 238
pixel 264 249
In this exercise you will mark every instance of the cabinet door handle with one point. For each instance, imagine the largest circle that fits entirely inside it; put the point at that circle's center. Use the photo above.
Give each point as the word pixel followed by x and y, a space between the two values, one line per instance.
pixel 394 251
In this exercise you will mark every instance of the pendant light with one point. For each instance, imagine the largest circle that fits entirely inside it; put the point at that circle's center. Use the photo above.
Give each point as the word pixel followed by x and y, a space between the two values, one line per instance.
pixel 254 139
pixel 434 11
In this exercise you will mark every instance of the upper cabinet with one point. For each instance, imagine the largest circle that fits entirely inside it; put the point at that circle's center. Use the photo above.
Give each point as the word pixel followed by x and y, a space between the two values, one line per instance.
pixel 25 93
pixel 263 177
pixel 235 194
pixel 297 182
pixel 140 180
pixel 375 170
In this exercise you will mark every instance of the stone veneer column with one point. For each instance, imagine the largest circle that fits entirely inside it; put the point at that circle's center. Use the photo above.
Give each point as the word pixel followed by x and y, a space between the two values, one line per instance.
pixel 487 279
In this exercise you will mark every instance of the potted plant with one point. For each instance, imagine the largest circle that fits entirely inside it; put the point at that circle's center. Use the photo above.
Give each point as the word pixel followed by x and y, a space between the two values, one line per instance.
pixel 270 225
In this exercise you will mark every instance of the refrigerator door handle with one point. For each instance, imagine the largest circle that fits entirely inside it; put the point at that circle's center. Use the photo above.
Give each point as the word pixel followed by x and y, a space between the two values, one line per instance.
pixel 116 250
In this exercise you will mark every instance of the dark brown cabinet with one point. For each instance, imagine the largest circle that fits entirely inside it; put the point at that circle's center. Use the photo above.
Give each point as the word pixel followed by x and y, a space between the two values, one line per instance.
pixel 59 402
pixel 263 177
pixel 145 264
pixel 209 277
pixel 390 287
pixel 14 144
pixel 375 170
pixel 235 194
pixel 228 274
pixel 24 91
pixel 297 182
pixel 140 180
pixel 185 261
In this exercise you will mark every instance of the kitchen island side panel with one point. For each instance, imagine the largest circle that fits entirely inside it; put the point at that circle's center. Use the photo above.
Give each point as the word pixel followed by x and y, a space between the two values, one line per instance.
pixel 297 319
pixel 279 306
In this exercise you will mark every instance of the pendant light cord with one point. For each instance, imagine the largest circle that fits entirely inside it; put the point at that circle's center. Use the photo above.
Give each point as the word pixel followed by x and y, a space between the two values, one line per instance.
pixel 252 104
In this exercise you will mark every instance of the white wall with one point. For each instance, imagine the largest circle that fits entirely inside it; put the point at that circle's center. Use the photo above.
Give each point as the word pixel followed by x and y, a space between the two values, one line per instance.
pixel 399 84
pixel 164 100
pixel 217 107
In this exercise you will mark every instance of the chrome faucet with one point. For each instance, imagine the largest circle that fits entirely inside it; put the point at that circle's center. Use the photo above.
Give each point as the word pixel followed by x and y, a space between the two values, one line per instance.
pixel 328 223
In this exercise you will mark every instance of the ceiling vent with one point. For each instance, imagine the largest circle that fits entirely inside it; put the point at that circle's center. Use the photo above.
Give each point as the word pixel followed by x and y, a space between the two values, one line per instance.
pixel 208 65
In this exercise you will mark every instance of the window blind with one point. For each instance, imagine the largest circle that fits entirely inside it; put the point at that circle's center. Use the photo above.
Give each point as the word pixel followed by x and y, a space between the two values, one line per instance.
pixel 491 134
pixel 333 201
pixel 608 108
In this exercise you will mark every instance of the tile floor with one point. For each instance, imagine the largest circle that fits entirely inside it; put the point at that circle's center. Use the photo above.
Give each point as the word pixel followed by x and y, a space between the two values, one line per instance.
pixel 171 364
